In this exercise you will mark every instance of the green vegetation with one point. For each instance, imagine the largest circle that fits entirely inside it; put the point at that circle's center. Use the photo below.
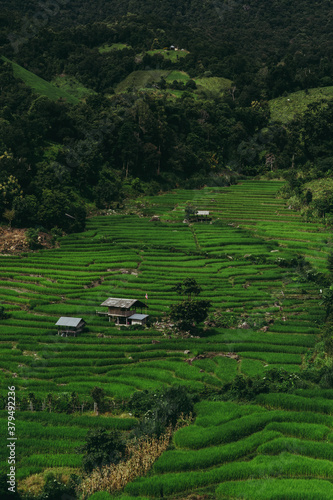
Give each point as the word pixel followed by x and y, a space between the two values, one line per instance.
pixel 268 315
pixel 169 54
pixel 72 86
pixel 272 489
pixel 102 448
pixel 97 118
pixel 213 83
pixel 284 109
pixel 115 46
pixel 140 79
pixel 40 86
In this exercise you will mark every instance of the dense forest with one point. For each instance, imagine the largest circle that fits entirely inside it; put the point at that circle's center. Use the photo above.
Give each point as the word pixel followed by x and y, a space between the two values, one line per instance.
pixel 60 158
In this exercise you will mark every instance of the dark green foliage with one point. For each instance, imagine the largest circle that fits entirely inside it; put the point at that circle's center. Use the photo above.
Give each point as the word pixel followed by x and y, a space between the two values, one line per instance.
pixel 57 209
pixel 140 402
pixel 32 238
pixel 275 380
pixel 55 489
pixel 102 448
pixel 187 287
pixel 160 409
pixel 189 210
pixel 4 493
pixel 94 149
pixel 308 197
pixel 330 262
pixel 25 211
pixel 3 314
pixel 327 335
pixel 327 301
pixel 109 189
pixel 188 313
pixel 98 396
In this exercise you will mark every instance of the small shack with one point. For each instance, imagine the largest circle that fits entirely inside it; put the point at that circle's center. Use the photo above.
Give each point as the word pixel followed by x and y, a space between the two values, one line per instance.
pixel 200 216
pixel 138 319
pixel 70 327
pixel 123 311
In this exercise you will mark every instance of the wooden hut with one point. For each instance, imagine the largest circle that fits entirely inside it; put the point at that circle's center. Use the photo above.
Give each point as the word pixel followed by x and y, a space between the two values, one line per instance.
pixel 200 216
pixel 70 327
pixel 124 311
pixel 138 319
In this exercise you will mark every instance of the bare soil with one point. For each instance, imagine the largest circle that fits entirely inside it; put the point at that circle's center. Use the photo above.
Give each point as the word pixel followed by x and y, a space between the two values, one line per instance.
pixel 13 240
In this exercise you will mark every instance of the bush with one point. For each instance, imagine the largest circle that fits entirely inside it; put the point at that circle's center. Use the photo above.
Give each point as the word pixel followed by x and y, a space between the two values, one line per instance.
pixel 102 448
pixel 162 409
pixel 3 314
pixel 4 493
pixel 31 236
pixel 54 488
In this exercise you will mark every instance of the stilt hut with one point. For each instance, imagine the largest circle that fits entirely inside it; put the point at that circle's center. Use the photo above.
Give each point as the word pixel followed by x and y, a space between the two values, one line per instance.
pixel 70 327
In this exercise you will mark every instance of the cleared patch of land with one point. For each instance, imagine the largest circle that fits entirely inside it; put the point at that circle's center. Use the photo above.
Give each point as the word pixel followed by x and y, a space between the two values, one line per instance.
pixel 171 55
pixel 284 109
pixel 115 46
pixel 72 86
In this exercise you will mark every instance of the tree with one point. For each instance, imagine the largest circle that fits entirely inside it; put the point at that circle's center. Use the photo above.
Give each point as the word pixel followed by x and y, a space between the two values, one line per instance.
pixel 25 209
pixel 98 395
pixel 58 209
pixel 54 488
pixel 3 314
pixel 109 189
pixel 102 448
pixel 327 301
pixel 161 409
pixel 189 312
pixel 187 287
pixel 189 210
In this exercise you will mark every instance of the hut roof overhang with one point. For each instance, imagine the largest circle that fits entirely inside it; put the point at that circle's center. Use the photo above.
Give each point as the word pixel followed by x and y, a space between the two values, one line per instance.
pixel 73 322
pixel 138 317
pixel 123 303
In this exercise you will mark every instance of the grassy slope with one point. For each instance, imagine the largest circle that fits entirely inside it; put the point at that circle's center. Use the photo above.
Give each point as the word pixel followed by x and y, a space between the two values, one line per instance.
pixel 115 46
pixel 140 79
pixel 214 83
pixel 284 109
pixel 171 55
pixel 72 86
pixel 40 86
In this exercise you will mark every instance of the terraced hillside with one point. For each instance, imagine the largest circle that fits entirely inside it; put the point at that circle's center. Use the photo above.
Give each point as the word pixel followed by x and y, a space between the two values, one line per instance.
pixel 40 86
pixel 237 261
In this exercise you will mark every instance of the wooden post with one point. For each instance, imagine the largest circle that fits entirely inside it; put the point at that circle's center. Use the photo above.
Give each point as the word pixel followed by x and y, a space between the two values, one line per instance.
pixel 96 408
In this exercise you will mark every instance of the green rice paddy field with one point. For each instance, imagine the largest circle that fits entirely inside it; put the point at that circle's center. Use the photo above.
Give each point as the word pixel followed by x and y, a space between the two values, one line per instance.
pixel 278 448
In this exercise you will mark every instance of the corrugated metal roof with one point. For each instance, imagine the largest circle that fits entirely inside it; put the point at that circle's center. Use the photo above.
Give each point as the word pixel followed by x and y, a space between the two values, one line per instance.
pixel 202 212
pixel 122 303
pixel 138 316
pixel 63 321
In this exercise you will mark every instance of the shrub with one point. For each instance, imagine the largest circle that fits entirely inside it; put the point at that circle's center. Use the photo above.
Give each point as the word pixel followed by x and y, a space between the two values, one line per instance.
pixel 102 448
pixel 54 488
pixel 162 409
pixel 32 238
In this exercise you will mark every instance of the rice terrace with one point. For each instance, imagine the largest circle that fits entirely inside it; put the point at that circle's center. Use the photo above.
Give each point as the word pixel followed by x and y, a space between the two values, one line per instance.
pixel 255 262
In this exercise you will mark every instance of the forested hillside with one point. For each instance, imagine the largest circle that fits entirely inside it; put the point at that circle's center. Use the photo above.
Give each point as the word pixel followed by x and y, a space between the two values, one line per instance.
pixel 124 114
